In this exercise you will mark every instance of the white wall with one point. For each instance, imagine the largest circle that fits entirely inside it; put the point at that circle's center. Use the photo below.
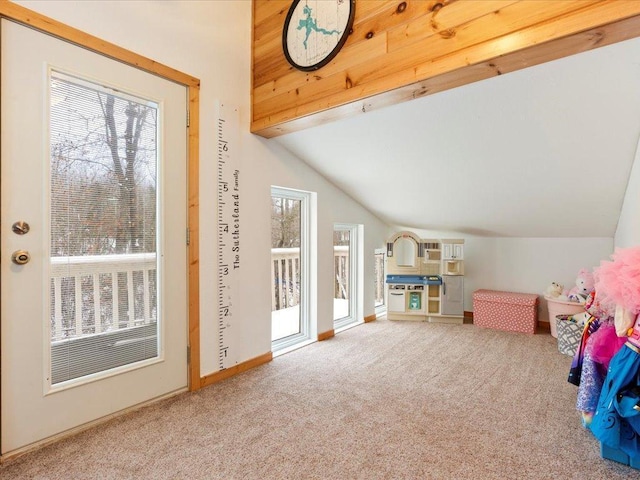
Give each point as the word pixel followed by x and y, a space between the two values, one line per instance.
pixel 525 265
pixel 211 41
pixel 628 230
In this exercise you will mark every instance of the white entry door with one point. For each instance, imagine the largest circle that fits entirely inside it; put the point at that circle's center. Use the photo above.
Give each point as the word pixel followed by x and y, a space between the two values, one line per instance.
pixel 93 248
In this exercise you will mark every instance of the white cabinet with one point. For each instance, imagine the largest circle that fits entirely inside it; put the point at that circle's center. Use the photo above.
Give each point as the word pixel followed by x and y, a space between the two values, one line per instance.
pixel 452 259
pixel 452 251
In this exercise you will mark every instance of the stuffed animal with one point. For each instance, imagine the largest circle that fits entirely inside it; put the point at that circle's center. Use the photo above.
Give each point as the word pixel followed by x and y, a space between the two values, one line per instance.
pixel 585 284
pixel 580 318
pixel 554 290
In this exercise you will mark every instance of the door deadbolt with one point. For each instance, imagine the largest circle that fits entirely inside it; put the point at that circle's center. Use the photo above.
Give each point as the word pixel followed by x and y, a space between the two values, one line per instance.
pixel 20 227
pixel 20 257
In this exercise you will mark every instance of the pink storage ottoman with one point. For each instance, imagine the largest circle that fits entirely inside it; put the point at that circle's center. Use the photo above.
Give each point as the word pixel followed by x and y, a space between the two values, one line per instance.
pixel 510 311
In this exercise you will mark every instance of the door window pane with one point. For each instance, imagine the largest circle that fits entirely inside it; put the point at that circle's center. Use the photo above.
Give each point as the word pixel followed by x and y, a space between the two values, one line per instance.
pixel 103 217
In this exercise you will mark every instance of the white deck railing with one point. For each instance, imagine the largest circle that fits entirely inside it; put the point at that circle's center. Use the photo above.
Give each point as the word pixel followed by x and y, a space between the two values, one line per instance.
pixel 95 294
pixel 87 293
pixel 341 271
pixel 285 276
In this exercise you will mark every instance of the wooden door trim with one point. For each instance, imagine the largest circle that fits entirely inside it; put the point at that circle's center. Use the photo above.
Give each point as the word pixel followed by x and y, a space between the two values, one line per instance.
pixel 47 25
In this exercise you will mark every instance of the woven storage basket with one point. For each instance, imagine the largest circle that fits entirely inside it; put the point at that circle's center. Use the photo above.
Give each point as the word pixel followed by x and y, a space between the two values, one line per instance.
pixel 569 334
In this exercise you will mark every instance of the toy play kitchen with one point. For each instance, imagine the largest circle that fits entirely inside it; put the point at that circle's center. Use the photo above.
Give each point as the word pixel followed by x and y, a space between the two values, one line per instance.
pixel 425 279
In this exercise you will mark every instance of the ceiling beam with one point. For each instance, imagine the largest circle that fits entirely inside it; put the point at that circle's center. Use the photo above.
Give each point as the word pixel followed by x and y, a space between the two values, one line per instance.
pixel 397 54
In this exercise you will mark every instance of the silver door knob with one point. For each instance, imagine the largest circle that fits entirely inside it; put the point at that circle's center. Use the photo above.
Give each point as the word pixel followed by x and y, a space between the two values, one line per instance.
pixel 20 257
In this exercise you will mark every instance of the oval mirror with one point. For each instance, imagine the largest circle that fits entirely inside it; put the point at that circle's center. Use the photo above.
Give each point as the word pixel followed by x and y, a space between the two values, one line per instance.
pixel 405 252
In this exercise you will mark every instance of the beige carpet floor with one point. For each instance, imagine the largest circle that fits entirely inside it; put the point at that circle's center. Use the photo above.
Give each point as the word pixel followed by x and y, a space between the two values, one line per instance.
pixel 385 400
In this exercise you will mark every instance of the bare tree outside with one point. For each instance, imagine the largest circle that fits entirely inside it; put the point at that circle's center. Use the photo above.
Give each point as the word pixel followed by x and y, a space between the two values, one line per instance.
pixel 285 222
pixel 103 162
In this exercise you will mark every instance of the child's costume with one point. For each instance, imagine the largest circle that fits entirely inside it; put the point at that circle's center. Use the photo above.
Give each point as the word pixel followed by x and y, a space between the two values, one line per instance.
pixel 599 343
pixel 616 422
pixel 601 346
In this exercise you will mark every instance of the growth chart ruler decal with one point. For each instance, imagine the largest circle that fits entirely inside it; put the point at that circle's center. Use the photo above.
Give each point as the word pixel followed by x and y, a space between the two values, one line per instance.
pixel 229 224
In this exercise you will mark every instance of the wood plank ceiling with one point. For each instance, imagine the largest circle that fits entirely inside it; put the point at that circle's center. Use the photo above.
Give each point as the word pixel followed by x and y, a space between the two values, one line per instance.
pixel 401 50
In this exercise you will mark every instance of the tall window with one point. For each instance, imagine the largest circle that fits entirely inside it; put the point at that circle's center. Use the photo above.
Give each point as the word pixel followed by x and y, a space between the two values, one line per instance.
pixel 345 255
pixel 289 267
pixel 378 271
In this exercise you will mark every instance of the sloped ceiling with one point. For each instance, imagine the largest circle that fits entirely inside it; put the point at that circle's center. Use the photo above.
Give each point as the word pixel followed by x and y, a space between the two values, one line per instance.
pixel 541 152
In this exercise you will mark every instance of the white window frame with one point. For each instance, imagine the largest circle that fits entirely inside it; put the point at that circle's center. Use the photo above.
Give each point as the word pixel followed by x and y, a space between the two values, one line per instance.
pixel 382 309
pixel 354 255
pixel 304 335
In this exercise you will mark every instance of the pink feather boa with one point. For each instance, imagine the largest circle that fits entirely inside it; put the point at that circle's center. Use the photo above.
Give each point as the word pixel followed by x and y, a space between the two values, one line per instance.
pixel 618 282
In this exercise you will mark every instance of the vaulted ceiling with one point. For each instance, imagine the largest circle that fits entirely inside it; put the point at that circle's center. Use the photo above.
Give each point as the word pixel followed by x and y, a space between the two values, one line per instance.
pixel 541 152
